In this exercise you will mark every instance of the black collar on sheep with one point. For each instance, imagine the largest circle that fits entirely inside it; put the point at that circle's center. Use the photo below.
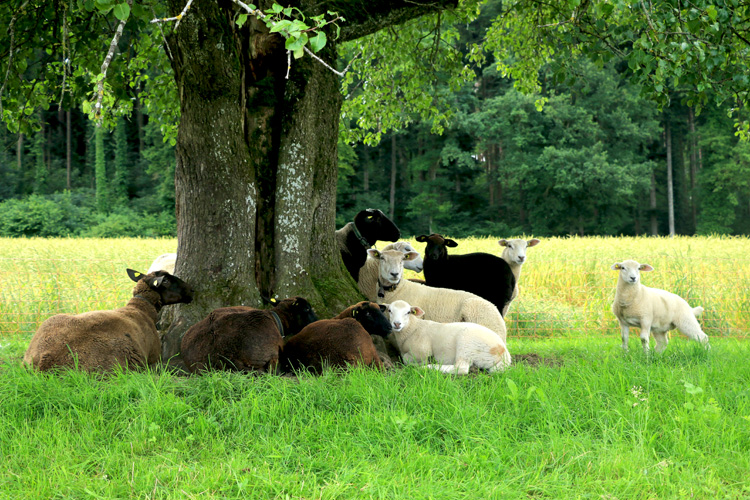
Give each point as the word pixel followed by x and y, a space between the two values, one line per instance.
pixel 359 236
pixel 382 289
pixel 279 324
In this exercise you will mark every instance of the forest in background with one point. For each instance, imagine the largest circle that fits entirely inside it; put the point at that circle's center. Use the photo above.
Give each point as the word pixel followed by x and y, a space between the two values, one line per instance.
pixel 596 159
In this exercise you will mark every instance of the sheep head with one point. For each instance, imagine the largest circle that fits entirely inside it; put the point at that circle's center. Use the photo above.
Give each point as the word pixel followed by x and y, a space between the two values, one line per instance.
pixel 171 289
pixel 391 266
pixel 630 271
pixel 370 316
pixel 514 252
pixel 437 246
pixel 398 313
pixel 415 265
pixel 295 313
pixel 373 225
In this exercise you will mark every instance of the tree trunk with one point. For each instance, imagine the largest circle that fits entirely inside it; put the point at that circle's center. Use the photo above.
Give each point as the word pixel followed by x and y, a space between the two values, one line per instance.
pixel 392 204
pixel 652 206
pixel 68 149
pixel 693 168
pixel 256 169
pixel 670 190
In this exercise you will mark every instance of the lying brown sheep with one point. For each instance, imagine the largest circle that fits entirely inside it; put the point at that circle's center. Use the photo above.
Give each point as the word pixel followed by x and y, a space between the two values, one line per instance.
pixel 244 338
pixel 99 340
pixel 343 340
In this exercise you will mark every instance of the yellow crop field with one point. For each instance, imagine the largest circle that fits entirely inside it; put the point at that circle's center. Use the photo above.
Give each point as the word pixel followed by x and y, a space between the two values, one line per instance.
pixel 566 284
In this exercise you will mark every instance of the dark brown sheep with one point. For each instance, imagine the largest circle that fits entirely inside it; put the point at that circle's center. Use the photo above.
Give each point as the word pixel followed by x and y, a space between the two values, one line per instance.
pixel 341 341
pixel 244 338
pixel 99 340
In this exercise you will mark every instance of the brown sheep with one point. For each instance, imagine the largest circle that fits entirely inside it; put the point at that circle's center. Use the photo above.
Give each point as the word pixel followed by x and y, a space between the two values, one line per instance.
pixel 99 340
pixel 244 338
pixel 343 340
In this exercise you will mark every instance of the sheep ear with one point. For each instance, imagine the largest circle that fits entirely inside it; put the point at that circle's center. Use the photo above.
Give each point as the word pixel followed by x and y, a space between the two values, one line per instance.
pixel 134 275
pixel 422 238
pixel 372 252
pixel 645 267
pixel 156 283
pixel 503 243
pixel 532 242
pixel 616 266
pixel 383 307
pixel 450 243
pixel 417 311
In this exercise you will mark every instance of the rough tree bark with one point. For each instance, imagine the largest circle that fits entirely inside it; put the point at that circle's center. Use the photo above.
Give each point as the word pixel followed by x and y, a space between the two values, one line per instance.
pixel 256 158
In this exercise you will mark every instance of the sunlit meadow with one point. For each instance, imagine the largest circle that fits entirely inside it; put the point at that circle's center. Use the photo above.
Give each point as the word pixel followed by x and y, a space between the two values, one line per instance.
pixel 583 420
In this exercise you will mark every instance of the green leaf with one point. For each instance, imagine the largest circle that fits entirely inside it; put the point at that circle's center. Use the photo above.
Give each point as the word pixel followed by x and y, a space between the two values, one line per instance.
pixel 711 11
pixel 276 8
pixel 122 11
pixel 299 53
pixel 513 388
pixel 281 25
pixel 318 42
pixel 241 19
pixel 296 43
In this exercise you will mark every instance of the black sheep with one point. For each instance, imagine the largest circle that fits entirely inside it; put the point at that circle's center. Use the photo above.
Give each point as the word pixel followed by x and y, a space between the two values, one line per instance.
pixel 244 338
pixel 482 274
pixel 368 227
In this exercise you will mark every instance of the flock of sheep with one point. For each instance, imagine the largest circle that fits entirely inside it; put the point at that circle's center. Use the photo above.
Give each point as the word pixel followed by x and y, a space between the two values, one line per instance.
pixel 450 321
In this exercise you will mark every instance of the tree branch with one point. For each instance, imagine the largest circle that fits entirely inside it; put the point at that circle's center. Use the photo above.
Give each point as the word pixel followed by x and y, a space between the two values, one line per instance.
pixel 105 66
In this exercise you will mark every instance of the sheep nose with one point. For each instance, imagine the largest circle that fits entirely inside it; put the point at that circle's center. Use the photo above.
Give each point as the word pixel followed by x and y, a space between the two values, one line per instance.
pixel 521 258
pixel 395 275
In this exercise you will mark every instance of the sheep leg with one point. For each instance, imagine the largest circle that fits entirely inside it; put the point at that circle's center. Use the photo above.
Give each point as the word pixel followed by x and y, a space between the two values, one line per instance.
pixel 645 334
pixel 460 368
pixel 625 333
pixel 662 339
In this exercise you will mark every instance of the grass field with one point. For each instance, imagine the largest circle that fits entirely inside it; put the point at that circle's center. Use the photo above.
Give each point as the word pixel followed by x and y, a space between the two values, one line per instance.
pixel 589 421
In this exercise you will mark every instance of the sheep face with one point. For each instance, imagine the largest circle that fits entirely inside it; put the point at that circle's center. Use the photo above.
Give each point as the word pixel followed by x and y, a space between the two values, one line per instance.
pixel 391 267
pixel 297 311
pixel 171 289
pixel 374 225
pixel 398 313
pixel 437 246
pixel 415 265
pixel 630 271
pixel 370 316
pixel 515 250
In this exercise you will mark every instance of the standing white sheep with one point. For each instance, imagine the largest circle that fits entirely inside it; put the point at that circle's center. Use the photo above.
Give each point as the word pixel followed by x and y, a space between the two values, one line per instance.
pixel 514 253
pixel 455 346
pixel 651 309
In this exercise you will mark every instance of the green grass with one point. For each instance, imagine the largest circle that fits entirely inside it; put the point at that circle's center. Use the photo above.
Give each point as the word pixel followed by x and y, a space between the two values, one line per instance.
pixel 592 422
pixel 597 424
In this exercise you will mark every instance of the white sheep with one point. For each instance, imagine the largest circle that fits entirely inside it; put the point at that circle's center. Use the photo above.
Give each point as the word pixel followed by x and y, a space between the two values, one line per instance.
pixel 164 262
pixel 514 253
pixel 380 281
pixel 455 346
pixel 651 309
pixel 416 264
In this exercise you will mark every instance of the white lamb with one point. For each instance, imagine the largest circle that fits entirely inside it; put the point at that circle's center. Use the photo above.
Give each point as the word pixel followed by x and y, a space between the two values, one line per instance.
pixel 164 262
pixel 454 346
pixel 380 281
pixel 651 309
pixel 514 253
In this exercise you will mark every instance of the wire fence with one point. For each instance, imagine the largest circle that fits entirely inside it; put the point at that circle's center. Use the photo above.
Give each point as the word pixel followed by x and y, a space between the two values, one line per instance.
pixel 559 298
